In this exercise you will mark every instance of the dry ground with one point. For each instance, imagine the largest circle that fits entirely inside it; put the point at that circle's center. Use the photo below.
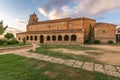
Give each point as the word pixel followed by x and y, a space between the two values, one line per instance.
pixel 107 54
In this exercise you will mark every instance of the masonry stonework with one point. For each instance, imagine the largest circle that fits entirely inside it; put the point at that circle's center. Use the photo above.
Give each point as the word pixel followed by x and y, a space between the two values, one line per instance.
pixel 65 31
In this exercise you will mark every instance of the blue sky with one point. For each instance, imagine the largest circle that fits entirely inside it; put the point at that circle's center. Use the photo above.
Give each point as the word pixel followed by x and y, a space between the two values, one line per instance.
pixel 15 13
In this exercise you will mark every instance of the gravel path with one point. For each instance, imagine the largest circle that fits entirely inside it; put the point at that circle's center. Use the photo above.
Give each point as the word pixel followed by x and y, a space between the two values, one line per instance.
pixel 106 69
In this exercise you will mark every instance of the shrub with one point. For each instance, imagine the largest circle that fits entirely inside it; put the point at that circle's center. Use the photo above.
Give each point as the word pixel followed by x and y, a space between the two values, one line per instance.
pixel 9 36
pixel 110 42
pixel 3 41
pixel 12 42
pixel 86 42
pixel 97 42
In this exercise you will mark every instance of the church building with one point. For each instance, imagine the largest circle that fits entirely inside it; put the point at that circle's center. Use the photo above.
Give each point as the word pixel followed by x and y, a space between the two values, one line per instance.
pixel 66 31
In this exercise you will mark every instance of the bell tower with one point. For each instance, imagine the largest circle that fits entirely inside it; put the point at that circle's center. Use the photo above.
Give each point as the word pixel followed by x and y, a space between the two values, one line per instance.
pixel 33 19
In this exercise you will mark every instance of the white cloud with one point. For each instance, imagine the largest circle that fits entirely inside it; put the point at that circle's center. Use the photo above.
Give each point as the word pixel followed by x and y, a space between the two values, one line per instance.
pixel 90 8
pixel 21 21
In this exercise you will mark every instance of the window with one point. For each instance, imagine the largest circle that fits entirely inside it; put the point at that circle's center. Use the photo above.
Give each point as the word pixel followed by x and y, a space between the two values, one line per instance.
pixel 54 38
pixel 59 38
pixel 49 26
pixel 119 31
pixel 31 37
pixel 48 38
pixel 35 38
pixel 103 31
pixel 66 38
pixel 19 38
pixel 27 37
pixel 73 38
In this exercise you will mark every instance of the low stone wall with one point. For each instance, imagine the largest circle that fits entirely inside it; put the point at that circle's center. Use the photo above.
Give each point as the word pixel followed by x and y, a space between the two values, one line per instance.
pixel 15 48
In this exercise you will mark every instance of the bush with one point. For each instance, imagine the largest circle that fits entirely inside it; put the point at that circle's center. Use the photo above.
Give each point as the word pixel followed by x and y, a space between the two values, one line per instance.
pixel 12 42
pixel 110 42
pixel 97 42
pixel 86 41
pixel 3 41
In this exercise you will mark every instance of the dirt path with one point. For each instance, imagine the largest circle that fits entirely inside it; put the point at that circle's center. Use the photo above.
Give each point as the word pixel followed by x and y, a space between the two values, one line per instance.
pixel 106 47
pixel 106 54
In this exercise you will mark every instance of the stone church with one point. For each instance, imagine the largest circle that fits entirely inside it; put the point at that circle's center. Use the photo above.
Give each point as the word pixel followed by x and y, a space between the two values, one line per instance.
pixel 66 31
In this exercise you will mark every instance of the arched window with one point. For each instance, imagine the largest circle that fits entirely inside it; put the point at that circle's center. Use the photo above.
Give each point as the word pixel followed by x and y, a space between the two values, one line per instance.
pixel 19 38
pixel 73 38
pixel 54 38
pixel 31 37
pixel 27 37
pixel 66 38
pixel 59 38
pixel 35 38
pixel 48 38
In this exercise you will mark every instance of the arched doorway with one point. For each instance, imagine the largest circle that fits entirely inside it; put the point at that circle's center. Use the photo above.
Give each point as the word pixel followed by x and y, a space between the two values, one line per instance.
pixel 41 39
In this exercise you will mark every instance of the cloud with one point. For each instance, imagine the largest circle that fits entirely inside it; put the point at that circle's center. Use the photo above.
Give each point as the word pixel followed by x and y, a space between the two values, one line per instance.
pixel 77 8
pixel 21 21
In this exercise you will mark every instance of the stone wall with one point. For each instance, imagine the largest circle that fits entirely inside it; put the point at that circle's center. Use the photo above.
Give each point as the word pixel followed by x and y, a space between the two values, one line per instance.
pixel 105 32
pixel 79 37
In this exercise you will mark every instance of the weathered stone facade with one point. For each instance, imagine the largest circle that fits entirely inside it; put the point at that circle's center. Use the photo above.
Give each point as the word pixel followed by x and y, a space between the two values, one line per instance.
pixel 61 31
pixel 105 32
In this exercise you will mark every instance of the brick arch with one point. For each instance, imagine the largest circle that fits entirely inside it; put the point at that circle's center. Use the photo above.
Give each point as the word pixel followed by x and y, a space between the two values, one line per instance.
pixel 73 38
pixel 27 37
pixel 41 39
pixel 31 37
pixel 59 38
pixel 66 38
pixel 53 38
pixel 35 38
pixel 48 38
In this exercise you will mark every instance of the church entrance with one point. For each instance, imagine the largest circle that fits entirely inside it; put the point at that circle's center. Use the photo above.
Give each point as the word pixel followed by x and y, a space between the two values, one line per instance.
pixel 41 39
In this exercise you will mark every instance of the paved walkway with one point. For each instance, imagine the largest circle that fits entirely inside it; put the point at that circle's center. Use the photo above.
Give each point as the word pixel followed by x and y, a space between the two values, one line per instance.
pixel 106 69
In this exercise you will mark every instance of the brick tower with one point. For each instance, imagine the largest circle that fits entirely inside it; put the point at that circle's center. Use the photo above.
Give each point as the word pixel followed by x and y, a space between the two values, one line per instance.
pixel 33 19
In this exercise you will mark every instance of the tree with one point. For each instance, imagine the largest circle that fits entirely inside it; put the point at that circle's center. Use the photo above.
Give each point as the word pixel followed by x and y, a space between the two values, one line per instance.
pixel 2 29
pixel 24 40
pixel 9 36
pixel 90 34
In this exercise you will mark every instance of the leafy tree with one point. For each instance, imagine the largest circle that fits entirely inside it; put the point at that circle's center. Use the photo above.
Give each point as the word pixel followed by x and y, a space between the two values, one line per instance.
pixel 24 40
pixel 90 34
pixel 9 36
pixel 1 28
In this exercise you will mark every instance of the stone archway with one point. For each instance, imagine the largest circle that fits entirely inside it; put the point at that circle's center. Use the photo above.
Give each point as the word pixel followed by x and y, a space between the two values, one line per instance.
pixel 41 39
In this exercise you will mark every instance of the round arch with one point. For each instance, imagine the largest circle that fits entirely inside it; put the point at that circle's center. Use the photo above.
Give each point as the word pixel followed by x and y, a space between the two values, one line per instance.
pixel 66 38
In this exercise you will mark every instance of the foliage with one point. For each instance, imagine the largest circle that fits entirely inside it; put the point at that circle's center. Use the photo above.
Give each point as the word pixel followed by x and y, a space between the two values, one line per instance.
pixel 3 41
pixel 13 41
pixel 9 36
pixel 1 28
pixel 110 42
pixel 90 34
pixel 97 42
pixel 24 40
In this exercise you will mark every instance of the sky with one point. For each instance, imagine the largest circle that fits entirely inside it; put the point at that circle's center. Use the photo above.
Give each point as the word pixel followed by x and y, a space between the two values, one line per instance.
pixel 15 13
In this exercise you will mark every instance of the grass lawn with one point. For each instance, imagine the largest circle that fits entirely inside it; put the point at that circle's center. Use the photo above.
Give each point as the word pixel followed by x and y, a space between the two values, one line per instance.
pixel 13 67
pixel 44 49
pixel 6 46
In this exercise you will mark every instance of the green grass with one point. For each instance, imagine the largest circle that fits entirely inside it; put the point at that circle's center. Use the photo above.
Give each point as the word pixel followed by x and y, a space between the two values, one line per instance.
pixel 20 44
pixel 44 49
pixel 13 67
